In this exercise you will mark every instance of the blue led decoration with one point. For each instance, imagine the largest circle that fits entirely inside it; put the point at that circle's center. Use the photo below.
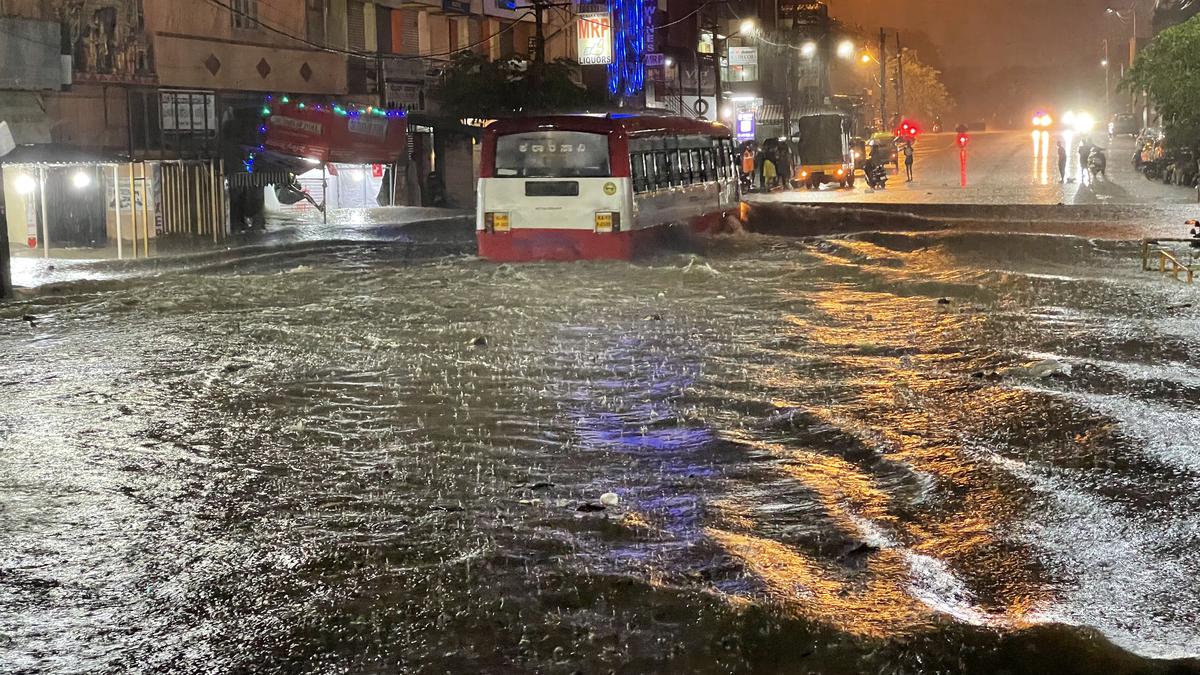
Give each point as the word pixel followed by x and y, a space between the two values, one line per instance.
pixel 632 24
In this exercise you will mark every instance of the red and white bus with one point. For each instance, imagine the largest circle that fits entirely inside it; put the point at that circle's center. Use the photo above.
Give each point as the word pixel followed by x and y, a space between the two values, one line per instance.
pixel 577 187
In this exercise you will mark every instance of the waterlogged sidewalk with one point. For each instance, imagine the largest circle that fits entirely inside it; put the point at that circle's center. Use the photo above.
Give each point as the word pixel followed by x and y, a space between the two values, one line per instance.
pixel 284 233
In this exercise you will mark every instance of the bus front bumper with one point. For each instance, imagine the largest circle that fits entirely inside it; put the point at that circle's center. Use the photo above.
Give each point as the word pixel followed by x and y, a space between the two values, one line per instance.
pixel 534 244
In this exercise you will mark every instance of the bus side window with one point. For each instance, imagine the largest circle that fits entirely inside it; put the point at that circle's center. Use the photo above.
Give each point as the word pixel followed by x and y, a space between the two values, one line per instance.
pixel 698 169
pixel 714 155
pixel 676 168
pixel 664 169
pixel 638 165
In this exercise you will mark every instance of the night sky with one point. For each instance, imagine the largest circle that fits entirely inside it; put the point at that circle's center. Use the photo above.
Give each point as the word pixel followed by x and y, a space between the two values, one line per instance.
pixel 1003 58
pixel 995 33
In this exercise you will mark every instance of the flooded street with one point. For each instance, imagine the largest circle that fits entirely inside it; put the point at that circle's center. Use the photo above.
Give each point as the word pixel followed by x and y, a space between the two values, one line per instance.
pixel 829 456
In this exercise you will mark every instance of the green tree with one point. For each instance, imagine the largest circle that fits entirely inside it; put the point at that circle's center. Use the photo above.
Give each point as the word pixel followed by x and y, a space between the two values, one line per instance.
pixel 1168 69
pixel 473 86
pixel 925 96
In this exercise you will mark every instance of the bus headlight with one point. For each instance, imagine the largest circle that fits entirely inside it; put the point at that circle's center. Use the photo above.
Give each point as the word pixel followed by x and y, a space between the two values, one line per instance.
pixel 608 221
pixel 841 172
pixel 494 221
pixel 804 174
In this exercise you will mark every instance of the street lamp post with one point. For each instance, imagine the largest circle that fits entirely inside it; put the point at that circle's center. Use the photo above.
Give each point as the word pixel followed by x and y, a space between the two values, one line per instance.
pixel 1129 15
pixel 747 26
pixel 1132 16
pixel 1107 81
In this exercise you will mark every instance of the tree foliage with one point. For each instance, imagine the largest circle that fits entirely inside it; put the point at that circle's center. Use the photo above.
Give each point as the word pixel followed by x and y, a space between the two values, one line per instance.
pixel 473 86
pixel 1168 69
pixel 925 96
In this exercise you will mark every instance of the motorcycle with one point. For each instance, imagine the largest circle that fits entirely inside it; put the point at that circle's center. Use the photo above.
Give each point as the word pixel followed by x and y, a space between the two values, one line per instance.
pixel 876 175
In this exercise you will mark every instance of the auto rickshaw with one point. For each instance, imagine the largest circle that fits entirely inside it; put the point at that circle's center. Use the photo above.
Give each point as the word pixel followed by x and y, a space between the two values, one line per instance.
pixel 823 146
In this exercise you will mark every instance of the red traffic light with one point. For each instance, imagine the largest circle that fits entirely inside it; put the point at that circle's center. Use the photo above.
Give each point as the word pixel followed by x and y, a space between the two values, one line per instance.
pixel 908 129
pixel 963 139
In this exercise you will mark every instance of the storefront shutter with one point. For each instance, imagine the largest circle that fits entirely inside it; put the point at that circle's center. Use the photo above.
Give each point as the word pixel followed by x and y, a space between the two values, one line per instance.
pixel 356 26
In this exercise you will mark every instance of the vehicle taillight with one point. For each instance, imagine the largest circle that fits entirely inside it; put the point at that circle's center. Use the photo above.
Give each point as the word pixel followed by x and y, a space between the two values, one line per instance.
pixel 494 221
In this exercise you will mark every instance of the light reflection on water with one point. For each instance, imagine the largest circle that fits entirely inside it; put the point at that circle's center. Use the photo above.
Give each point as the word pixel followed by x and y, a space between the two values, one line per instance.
pixel 312 464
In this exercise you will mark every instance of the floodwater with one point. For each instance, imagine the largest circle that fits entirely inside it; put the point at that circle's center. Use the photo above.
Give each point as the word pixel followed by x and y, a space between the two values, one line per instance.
pixel 827 453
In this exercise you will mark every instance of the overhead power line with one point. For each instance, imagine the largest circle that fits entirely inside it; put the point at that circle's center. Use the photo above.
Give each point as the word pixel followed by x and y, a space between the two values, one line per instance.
pixel 357 54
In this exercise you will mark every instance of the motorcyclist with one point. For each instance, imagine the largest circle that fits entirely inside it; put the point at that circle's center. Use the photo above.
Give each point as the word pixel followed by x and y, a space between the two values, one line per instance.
pixel 1098 163
pixel 875 169
pixel 1085 153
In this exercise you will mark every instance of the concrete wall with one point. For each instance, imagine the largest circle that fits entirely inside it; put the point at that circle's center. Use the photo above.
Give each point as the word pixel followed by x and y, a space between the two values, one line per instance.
pixel 90 116
pixel 182 62
pixel 190 34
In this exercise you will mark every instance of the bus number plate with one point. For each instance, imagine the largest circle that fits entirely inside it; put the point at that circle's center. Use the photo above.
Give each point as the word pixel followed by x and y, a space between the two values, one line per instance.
pixel 604 222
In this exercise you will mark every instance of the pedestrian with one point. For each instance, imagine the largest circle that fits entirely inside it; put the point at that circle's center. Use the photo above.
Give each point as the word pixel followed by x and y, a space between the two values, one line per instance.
pixel 769 175
pixel 1062 162
pixel 908 160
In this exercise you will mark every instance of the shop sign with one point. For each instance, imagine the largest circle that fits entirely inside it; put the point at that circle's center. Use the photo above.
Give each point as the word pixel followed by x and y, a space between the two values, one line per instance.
pixel 743 56
pixel 595 39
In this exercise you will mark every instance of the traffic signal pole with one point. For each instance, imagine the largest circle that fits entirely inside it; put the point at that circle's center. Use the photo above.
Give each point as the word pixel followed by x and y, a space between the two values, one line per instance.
pixel 899 77
pixel 883 78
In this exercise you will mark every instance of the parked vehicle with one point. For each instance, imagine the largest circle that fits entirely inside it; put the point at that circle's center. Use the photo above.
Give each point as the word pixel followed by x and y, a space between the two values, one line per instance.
pixel 1123 124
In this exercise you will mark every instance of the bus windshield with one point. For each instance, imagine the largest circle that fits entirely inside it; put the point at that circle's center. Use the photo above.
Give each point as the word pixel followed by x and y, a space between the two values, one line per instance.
pixel 552 154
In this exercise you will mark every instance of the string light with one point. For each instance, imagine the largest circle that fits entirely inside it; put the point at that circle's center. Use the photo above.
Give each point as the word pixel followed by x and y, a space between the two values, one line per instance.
pixel 632 24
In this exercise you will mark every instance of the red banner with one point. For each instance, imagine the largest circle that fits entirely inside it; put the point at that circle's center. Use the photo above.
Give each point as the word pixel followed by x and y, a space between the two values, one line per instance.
pixel 349 137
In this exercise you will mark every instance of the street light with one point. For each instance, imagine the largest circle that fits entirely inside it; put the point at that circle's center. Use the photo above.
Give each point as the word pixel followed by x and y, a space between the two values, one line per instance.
pixel 747 27
pixel 845 49
pixel 1132 14
pixel 809 49
pixel 867 58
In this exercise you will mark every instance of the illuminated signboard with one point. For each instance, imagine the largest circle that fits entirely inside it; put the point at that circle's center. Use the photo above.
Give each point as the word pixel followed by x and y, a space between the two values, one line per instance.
pixel 595 39
pixel 746 126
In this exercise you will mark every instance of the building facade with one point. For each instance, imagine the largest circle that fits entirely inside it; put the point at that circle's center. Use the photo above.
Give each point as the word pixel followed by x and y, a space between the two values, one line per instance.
pixel 94 86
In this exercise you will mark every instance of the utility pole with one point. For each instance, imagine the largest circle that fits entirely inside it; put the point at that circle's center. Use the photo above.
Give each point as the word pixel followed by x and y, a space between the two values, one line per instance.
pixel 539 42
pixel 1107 82
pixel 716 63
pixel 899 77
pixel 5 266
pixel 883 78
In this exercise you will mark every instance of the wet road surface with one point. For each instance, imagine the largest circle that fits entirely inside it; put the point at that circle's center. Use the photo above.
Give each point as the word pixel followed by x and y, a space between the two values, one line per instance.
pixel 830 457
pixel 1008 167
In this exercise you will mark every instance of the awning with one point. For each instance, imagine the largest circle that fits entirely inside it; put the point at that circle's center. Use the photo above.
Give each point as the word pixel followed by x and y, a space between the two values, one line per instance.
pixel 259 179
pixel 51 154
pixel 770 113
pixel 26 118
